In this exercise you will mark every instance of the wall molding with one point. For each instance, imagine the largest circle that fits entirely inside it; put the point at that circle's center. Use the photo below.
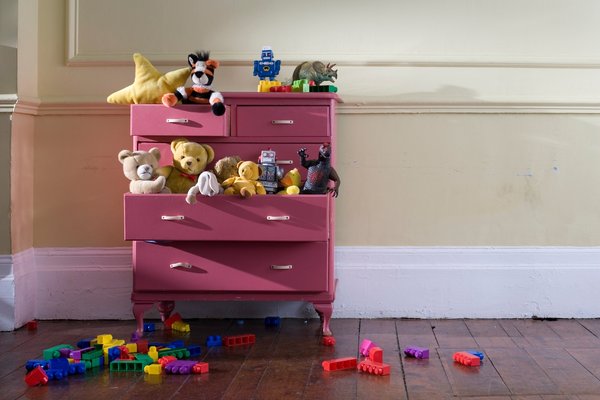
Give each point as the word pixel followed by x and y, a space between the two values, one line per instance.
pixel 7 102
pixel 7 293
pixel 414 282
pixel 68 107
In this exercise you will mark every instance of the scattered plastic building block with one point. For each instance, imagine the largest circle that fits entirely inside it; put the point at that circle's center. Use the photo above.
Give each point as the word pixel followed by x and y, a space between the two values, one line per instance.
pixel 373 368
pixel 58 369
pixel 54 352
pixel 328 341
pixel 127 365
pixel 239 340
pixel 180 353
pixel 281 89
pixel 84 343
pixel 477 353
pixel 104 338
pixel 417 352
pixel 273 321
pixel 76 368
pixel 36 376
pixel 76 354
pixel 152 352
pixel 142 346
pixel 365 346
pixel 180 326
pixel 153 369
pixel 32 364
pixel 214 341
pixel 200 368
pixel 32 325
pixel 149 327
pixel 163 361
pixel 339 364
pixel 168 323
pixel 301 85
pixel 181 367
pixel 195 350
pixel 265 86
pixel 376 354
pixel 467 359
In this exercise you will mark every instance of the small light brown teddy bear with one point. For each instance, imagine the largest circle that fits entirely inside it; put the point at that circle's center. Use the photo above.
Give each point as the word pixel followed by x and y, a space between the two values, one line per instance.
pixel 226 168
pixel 246 184
pixel 189 160
pixel 139 167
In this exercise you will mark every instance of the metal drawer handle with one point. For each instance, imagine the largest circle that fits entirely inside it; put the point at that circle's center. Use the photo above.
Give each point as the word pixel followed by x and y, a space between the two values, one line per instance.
pixel 172 217
pixel 181 265
pixel 282 122
pixel 177 120
pixel 285 162
pixel 278 217
pixel 282 267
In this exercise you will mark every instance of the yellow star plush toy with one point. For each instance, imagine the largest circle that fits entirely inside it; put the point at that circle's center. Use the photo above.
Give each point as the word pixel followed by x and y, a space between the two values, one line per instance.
pixel 149 84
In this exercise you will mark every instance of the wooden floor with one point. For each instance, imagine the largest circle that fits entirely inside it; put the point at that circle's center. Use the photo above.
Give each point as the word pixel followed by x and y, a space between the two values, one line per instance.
pixel 525 359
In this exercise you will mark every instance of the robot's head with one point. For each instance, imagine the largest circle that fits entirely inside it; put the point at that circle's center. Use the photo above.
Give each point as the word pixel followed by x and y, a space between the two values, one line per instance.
pixel 267 53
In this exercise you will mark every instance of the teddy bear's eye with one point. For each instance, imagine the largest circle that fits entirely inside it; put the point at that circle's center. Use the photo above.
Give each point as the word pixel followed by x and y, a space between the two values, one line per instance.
pixel 182 157
pixel 197 159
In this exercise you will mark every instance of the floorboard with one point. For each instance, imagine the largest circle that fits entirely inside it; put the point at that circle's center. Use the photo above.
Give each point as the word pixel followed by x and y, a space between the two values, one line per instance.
pixel 524 360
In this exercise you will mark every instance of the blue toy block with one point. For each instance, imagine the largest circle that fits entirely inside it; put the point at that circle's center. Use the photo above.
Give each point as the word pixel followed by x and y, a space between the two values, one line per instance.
pixel 214 341
pixel 273 321
pixel 149 327
pixel 32 364
pixel 176 344
pixel 58 368
pixel 476 353
pixel 77 368
pixel 194 350
pixel 84 343
pixel 114 353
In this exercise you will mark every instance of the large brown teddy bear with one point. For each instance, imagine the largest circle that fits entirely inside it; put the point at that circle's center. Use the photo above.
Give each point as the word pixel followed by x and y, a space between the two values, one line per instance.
pixel 189 160
pixel 246 184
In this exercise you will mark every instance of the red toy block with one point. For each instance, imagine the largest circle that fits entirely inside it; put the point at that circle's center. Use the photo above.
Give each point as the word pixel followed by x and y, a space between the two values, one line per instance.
pixel 373 368
pixel 168 323
pixel 200 368
pixel 239 340
pixel 124 353
pixel 328 341
pixel 376 354
pixel 339 364
pixel 165 360
pixel 32 325
pixel 142 346
pixel 36 376
pixel 467 359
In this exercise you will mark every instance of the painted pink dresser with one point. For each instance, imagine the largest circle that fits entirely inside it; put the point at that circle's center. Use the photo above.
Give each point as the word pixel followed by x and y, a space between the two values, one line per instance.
pixel 265 248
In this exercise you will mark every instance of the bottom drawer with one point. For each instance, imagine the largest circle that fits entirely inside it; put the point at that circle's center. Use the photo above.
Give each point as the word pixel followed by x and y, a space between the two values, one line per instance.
pixel 227 266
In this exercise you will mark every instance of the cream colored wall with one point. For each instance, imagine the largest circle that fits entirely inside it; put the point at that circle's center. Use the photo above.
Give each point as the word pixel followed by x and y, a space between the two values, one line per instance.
pixel 464 123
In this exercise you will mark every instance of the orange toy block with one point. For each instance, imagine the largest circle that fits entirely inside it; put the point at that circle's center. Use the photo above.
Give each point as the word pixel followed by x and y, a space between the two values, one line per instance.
pixel 339 364
pixel 467 359
pixel 239 340
pixel 374 368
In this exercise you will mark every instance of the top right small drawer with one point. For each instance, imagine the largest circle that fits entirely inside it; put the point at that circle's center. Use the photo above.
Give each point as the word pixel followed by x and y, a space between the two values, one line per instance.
pixel 283 121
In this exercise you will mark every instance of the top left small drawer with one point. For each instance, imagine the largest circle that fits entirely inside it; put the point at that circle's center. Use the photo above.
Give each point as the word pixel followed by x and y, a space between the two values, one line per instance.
pixel 181 120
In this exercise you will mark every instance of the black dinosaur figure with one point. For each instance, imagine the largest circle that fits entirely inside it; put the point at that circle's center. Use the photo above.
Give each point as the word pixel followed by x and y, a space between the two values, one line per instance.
pixel 320 172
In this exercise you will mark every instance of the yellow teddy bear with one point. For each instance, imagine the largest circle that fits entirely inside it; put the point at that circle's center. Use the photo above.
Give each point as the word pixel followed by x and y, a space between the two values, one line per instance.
pixel 246 184
pixel 189 160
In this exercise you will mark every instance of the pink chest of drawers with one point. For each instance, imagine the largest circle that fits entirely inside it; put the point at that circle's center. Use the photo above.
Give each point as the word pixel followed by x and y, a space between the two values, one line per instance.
pixel 265 248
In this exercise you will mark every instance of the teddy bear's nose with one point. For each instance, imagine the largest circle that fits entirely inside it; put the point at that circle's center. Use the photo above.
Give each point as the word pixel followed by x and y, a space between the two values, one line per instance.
pixel 188 163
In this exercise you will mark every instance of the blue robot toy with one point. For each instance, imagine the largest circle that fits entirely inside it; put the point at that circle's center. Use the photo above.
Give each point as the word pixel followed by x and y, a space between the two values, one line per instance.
pixel 267 68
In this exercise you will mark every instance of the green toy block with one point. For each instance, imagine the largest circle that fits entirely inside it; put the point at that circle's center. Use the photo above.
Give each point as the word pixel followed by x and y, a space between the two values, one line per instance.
pixel 324 88
pixel 95 362
pixel 54 352
pixel 92 355
pixel 144 358
pixel 127 365
pixel 181 353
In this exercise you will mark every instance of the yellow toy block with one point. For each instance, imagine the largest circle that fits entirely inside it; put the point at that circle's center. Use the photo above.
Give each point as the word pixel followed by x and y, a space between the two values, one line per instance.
pixel 152 352
pixel 153 369
pixel 265 86
pixel 106 338
pixel 131 347
pixel 180 326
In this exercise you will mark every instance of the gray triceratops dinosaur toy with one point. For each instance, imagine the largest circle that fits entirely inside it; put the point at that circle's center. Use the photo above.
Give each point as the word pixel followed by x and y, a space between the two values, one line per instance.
pixel 315 71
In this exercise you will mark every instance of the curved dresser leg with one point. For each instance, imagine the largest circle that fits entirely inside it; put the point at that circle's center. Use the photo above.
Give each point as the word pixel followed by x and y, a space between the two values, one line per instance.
pixel 325 310
pixel 138 312
pixel 165 308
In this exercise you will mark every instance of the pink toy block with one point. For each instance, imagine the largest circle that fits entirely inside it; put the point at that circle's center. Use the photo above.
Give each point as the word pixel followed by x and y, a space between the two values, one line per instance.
pixel 36 376
pixel 200 368
pixel 467 359
pixel 239 340
pixel 376 354
pixel 365 346
pixel 373 368
pixel 328 341
pixel 339 364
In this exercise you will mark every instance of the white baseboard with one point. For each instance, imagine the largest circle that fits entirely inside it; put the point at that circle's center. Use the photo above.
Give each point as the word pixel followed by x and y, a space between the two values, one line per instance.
pixel 373 282
pixel 7 293
pixel 25 272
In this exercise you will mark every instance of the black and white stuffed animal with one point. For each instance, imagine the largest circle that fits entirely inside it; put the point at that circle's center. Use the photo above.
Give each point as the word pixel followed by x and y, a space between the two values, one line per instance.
pixel 202 74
